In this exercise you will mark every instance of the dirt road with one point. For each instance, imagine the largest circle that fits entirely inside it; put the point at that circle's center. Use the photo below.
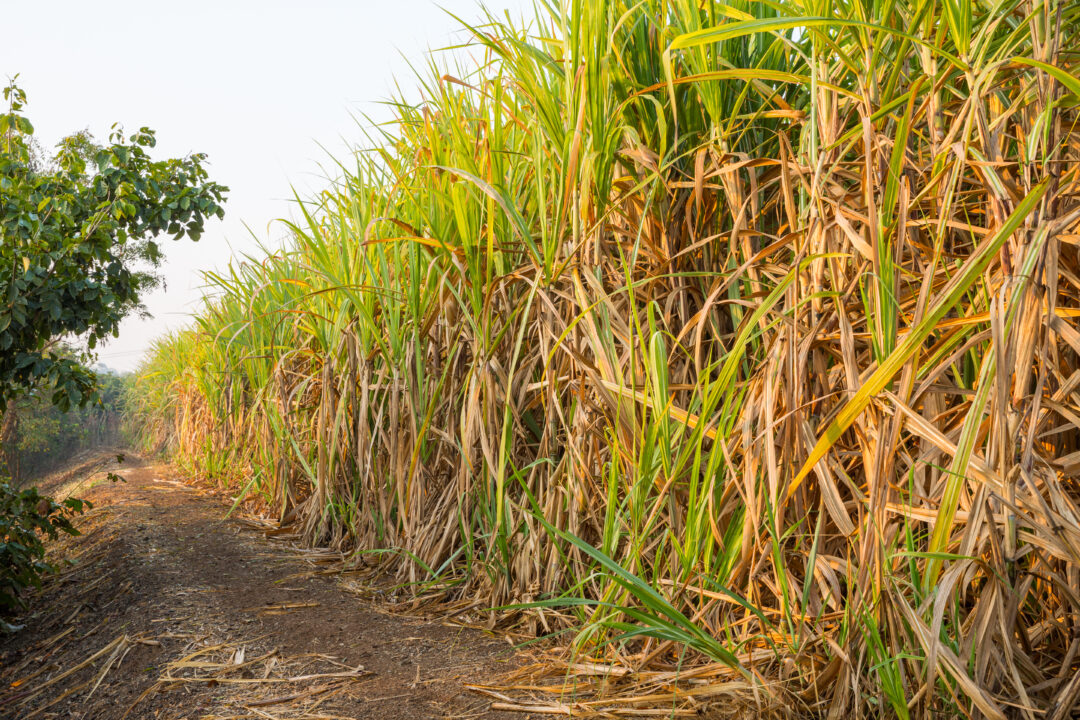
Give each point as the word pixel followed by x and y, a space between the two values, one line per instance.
pixel 171 611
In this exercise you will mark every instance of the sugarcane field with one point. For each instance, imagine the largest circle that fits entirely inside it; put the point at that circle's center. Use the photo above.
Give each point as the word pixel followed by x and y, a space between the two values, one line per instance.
pixel 526 359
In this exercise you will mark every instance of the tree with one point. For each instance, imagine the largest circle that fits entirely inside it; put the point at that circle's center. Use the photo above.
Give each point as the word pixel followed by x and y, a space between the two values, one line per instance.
pixel 77 250
pixel 78 243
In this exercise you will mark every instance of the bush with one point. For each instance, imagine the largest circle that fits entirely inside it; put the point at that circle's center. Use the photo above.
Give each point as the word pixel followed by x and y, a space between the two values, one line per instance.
pixel 26 518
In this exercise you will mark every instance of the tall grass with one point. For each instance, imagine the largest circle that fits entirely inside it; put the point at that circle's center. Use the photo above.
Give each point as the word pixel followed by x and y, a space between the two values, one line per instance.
pixel 748 325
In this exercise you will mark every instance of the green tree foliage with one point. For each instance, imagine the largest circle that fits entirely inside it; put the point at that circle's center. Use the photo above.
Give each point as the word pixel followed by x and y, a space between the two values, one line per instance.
pixel 78 243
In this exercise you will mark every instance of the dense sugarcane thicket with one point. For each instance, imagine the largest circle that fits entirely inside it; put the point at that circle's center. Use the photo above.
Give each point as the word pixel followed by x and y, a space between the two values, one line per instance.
pixel 752 323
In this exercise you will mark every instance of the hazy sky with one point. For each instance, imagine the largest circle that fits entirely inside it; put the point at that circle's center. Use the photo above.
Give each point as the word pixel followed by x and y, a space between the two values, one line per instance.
pixel 260 86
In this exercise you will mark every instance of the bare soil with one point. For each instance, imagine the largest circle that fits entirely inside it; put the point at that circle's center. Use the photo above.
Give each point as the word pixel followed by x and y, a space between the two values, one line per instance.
pixel 167 610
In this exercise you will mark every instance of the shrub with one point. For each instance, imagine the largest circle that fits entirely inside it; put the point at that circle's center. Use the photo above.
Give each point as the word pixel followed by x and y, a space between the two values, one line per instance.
pixel 26 518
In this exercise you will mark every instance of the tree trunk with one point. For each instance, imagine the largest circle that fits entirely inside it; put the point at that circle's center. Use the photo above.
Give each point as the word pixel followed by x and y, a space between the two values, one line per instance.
pixel 9 454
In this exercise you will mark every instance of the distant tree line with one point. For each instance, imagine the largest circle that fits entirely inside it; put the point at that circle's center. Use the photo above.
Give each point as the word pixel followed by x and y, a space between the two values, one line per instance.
pixel 37 437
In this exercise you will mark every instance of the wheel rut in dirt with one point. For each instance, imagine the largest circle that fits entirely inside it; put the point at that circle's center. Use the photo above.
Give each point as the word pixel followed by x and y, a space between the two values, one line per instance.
pixel 171 611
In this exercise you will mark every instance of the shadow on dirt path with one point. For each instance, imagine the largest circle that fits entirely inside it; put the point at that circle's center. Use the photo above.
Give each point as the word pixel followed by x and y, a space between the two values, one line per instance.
pixel 172 612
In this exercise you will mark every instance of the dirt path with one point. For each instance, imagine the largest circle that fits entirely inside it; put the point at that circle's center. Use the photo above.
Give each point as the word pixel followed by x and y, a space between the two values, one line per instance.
pixel 185 615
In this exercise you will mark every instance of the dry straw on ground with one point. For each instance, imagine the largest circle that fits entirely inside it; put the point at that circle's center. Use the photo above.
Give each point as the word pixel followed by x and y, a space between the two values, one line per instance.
pixel 740 336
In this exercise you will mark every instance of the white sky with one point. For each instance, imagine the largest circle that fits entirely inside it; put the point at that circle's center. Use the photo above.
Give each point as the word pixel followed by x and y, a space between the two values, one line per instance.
pixel 257 85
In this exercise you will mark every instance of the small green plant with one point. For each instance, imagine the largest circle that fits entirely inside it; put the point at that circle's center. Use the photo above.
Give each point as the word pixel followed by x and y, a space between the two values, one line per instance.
pixel 26 518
